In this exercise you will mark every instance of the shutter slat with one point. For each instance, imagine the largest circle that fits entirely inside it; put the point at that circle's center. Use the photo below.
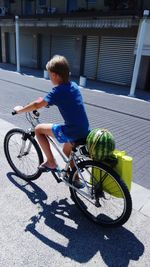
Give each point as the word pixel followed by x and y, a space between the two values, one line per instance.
pixel 66 46
pixel 91 55
pixel 116 59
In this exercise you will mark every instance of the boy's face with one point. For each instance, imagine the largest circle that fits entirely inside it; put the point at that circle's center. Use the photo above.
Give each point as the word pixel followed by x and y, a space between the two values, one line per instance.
pixel 54 78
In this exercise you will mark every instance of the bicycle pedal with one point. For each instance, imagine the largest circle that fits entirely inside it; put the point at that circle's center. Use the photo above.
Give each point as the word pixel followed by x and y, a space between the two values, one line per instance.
pixel 66 179
pixel 97 203
pixel 59 180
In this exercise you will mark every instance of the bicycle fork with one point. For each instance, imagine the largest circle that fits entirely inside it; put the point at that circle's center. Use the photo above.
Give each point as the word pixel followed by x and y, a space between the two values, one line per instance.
pixel 23 146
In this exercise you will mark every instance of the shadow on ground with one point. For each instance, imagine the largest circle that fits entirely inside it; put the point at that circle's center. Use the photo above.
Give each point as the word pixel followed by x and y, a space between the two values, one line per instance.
pixel 23 70
pixel 116 246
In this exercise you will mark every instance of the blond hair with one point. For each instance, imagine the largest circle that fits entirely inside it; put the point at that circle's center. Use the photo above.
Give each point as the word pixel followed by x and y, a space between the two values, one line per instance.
pixel 59 65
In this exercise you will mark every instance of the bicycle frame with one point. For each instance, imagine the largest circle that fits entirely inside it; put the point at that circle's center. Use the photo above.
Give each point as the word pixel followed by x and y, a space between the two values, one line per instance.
pixel 73 157
pixel 102 183
pixel 59 176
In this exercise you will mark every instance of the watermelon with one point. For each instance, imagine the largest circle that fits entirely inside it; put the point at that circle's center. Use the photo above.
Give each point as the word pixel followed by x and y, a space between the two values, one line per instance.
pixel 100 144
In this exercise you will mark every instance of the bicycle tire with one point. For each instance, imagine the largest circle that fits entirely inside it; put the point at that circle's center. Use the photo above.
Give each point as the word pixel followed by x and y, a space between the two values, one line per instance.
pixel 26 166
pixel 111 205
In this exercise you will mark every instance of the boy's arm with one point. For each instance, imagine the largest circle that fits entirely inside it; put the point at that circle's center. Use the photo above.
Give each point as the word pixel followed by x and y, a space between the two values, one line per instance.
pixel 37 104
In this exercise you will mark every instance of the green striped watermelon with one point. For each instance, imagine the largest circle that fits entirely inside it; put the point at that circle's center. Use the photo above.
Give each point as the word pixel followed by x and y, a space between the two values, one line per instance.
pixel 100 144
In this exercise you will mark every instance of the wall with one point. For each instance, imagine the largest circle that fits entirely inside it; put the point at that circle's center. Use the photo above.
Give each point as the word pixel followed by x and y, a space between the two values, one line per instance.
pixel 15 8
pixel 98 6
pixel 146 45
pixel 2 3
pixel 81 3
pixel 146 4
pixel 101 6
pixel 61 6
pixel 147 35
pixel 142 77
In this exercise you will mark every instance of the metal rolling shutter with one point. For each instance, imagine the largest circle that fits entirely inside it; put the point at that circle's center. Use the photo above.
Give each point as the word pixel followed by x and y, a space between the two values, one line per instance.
pixel 91 57
pixel 12 48
pixel 116 59
pixel 26 50
pixel 70 47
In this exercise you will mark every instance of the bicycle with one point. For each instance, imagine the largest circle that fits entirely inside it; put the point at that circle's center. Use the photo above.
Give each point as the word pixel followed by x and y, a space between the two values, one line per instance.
pixel 95 200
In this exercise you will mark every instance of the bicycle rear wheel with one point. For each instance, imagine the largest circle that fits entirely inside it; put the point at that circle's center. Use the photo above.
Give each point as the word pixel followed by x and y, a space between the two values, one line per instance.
pixel 105 199
pixel 23 154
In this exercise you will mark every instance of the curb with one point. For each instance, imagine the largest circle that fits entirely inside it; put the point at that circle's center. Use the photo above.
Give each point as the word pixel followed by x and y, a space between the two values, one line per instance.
pixel 141 199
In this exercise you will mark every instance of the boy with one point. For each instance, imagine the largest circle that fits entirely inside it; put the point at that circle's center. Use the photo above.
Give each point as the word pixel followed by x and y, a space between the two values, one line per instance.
pixel 66 96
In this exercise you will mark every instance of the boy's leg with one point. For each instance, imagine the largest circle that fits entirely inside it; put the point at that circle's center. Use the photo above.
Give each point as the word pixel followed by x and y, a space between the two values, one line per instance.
pixel 67 150
pixel 67 147
pixel 41 131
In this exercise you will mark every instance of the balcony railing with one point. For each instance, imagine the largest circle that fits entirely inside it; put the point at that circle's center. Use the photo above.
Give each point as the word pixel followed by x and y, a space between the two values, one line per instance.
pixel 77 14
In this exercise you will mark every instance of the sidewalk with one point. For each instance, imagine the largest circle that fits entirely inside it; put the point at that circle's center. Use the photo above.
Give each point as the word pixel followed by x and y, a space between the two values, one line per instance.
pixel 92 85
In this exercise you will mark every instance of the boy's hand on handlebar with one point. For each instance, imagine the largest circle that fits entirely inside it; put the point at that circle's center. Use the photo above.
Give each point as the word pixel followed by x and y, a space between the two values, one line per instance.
pixel 37 104
pixel 17 108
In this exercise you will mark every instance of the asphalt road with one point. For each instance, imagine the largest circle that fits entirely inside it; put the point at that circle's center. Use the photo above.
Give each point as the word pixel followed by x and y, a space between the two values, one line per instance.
pixel 40 226
pixel 127 118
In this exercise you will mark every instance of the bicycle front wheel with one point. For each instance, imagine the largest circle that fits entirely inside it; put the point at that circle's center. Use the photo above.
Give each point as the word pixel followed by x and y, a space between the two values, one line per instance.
pixel 23 154
pixel 105 199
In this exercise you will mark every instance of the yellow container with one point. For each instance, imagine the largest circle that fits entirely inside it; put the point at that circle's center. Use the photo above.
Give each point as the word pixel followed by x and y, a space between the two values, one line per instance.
pixel 123 168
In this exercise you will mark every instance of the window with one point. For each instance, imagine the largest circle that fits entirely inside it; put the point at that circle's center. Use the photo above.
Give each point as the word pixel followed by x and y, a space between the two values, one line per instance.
pixel 91 1
pixel 42 2
pixel 6 3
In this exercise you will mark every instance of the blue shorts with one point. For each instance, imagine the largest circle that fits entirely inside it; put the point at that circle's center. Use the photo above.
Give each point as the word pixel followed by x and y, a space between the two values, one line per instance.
pixel 59 135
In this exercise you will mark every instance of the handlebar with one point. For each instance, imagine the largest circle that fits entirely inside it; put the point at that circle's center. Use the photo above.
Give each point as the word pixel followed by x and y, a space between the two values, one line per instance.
pixel 14 113
pixel 32 117
pixel 35 112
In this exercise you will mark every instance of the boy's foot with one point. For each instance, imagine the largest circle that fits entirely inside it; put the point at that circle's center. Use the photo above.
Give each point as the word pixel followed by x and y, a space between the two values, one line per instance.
pixel 78 184
pixel 45 168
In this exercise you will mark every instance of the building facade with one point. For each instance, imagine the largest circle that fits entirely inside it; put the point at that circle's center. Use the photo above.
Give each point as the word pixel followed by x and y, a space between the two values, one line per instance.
pixel 98 37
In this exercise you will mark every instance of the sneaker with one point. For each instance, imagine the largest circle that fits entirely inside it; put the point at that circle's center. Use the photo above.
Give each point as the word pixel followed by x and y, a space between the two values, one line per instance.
pixel 78 184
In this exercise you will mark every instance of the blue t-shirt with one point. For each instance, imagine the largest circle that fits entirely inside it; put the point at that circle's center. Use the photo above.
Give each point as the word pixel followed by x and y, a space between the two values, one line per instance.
pixel 68 99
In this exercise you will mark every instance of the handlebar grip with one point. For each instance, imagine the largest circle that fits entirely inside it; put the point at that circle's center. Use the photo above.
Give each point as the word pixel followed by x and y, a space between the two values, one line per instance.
pixel 14 112
pixel 36 113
